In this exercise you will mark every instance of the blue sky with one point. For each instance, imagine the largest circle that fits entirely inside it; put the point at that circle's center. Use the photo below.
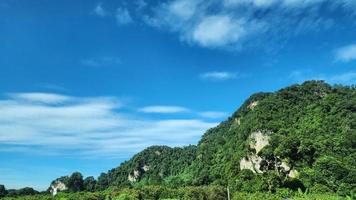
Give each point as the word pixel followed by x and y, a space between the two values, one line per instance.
pixel 86 84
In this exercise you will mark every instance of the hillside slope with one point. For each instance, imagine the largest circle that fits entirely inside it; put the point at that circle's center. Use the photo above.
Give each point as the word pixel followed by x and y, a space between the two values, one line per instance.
pixel 302 136
pixel 311 138
pixel 150 166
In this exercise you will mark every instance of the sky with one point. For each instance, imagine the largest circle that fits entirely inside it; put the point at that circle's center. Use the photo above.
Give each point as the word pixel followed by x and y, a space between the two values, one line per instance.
pixel 86 84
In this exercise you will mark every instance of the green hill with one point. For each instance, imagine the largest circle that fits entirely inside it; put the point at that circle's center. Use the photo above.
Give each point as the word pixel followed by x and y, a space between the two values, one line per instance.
pixel 302 137
pixel 150 166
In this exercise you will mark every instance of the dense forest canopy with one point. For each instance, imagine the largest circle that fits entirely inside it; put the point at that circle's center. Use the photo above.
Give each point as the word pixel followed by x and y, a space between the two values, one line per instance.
pixel 302 137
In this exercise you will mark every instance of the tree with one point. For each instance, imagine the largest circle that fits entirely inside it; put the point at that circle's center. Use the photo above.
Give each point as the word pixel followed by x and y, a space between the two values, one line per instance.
pixel 21 192
pixel 3 191
pixel 330 171
pixel 102 182
pixel 89 184
pixel 75 182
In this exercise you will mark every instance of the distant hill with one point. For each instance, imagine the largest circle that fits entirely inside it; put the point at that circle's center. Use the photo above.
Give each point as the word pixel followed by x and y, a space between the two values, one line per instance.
pixel 302 136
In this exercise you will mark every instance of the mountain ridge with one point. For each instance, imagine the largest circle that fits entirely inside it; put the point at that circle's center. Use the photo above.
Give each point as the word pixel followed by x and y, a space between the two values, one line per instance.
pixel 298 122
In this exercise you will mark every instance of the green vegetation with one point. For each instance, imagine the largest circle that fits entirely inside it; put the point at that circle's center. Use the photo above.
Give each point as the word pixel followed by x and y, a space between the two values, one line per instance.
pixel 151 166
pixel 309 153
pixel 185 193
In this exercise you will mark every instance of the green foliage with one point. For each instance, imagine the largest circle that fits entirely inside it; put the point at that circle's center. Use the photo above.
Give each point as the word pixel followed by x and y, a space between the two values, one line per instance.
pixel 3 191
pixel 89 184
pixel 152 165
pixel 184 193
pixel 21 192
pixel 311 127
pixel 75 182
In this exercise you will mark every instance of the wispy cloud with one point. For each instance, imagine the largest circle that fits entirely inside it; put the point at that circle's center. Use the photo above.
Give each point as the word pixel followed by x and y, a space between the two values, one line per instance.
pixel 342 78
pixel 218 76
pixel 346 53
pixel 101 61
pixel 213 114
pixel 234 23
pixel 99 10
pixel 164 109
pixel 123 16
pixel 41 97
pixel 95 126
pixel 219 30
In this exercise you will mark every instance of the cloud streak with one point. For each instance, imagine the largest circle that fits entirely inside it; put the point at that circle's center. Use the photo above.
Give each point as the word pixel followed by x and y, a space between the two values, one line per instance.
pixel 123 16
pixel 164 109
pixel 100 11
pixel 233 24
pixel 218 76
pixel 346 53
pixel 60 125
pixel 230 24
pixel 41 97
pixel 101 61
pixel 213 114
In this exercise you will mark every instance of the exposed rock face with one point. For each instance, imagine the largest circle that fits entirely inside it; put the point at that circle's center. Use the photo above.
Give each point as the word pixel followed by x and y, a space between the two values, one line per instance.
pixel 253 162
pixel 57 186
pixel 285 166
pixel 137 174
pixel 260 140
pixel 293 173
pixel 146 168
pixel 237 121
pixel 253 105
pixel 134 177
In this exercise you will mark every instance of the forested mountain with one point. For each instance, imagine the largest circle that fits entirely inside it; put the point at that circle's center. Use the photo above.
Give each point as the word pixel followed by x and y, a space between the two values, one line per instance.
pixel 311 133
pixel 151 166
pixel 300 137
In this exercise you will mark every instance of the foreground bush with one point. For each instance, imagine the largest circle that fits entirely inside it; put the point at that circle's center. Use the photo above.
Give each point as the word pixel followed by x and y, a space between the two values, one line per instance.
pixel 184 193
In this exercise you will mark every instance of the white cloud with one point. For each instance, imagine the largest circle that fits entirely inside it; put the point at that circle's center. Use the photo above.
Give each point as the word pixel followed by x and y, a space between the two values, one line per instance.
pixel 218 31
pixel 79 126
pixel 283 3
pixel 41 97
pixel 346 53
pixel 164 109
pixel 258 3
pixel 100 11
pixel 101 61
pixel 218 76
pixel 213 114
pixel 232 24
pixel 123 16
pixel 183 9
